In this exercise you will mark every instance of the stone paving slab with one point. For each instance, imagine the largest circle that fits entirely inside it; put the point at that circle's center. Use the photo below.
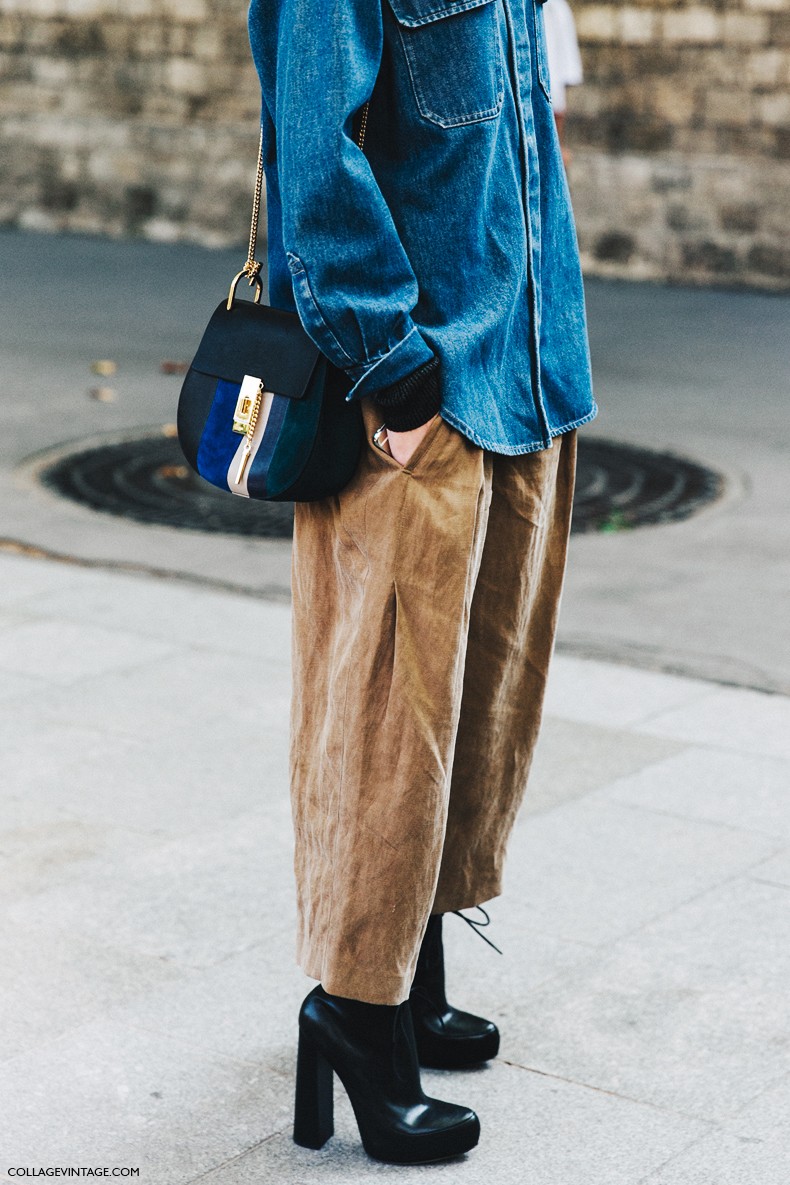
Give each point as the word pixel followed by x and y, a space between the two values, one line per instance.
pixel 109 1094
pixel 744 791
pixel 68 980
pixel 574 758
pixel 190 689
pixel 725 1159
pixel 689 1013
pixel 587 694
pixel 190 901
pixel 65 652
pixel 754 1150
pixel 775 871
pixel 198 617
pixel 538 1130
pixel 749 721
pixel 620 866
pixel 148 987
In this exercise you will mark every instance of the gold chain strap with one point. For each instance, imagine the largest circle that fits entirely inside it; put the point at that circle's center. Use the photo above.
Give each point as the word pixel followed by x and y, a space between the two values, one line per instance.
pixel 252 267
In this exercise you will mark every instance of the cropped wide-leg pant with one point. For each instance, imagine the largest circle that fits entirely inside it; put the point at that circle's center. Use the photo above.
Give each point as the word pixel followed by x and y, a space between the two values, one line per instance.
pixel 425 601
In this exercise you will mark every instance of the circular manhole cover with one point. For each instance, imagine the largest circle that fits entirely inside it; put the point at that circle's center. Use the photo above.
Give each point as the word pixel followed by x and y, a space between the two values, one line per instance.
pixel 147 479
pixel 619 486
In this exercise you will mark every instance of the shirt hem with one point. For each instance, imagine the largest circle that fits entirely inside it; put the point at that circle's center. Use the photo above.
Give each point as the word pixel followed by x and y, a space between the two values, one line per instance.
pixel 517 450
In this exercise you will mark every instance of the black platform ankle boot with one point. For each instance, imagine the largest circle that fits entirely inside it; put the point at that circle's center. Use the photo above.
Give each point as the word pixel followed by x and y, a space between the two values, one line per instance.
pixel 371 1049
pixel 447 1039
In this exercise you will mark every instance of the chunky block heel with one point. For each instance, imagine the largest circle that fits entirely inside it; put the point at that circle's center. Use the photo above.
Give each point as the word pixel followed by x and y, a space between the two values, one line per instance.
pixel 314 1120
pixel 371 1049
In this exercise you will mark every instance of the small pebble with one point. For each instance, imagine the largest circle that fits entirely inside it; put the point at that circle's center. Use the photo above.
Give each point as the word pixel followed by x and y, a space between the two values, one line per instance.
pixel 103 394
pixel 179 472
pixel 104 366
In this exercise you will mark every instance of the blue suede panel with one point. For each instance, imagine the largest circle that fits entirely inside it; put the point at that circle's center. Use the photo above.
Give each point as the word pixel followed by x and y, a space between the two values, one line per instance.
pixel 219 442
pixel 256 480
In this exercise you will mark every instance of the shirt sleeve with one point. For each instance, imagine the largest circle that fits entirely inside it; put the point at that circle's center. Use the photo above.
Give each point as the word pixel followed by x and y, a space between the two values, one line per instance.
pixel 353 284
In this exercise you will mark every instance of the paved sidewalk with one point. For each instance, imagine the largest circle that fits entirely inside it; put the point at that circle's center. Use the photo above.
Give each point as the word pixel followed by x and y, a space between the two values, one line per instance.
pixel 149 994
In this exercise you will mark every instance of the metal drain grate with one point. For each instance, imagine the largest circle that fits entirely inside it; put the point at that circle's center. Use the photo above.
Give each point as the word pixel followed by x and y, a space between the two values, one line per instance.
pixel 147 479
pixel 619 487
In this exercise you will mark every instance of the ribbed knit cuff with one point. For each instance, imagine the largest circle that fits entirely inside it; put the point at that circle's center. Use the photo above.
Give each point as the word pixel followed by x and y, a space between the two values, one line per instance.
pixel 412 401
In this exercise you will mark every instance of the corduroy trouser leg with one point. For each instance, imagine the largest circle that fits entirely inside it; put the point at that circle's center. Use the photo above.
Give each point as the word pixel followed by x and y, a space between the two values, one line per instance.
pixel 425 602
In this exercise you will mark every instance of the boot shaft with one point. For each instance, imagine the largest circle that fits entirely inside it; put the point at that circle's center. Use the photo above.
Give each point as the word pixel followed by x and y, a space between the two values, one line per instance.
pixel 429 975
pixel 374 1042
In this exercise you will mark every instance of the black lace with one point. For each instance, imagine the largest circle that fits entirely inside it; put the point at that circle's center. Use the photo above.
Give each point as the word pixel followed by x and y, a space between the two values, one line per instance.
pixel 478 926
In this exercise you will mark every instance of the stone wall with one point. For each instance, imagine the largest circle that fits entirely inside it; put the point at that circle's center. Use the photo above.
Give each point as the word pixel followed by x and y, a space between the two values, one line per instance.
pixel 128 117
pixel 139 117
pixel 681 140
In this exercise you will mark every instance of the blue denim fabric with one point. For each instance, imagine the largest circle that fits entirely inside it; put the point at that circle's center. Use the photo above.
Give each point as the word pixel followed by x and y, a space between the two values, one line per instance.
pixel 452 233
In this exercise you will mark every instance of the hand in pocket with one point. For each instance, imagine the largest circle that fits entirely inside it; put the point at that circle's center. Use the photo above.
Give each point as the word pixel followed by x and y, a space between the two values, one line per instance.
pixel 401 445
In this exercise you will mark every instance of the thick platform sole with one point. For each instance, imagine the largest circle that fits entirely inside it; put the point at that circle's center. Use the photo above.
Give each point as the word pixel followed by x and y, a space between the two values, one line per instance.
pixel 444 1053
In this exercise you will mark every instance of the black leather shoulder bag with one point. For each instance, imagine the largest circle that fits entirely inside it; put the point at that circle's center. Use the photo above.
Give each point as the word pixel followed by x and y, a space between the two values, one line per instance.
pixel 262 412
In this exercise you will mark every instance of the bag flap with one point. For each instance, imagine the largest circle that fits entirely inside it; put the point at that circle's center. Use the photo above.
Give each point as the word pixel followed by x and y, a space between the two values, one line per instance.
pixel 256 339
pixel 422 12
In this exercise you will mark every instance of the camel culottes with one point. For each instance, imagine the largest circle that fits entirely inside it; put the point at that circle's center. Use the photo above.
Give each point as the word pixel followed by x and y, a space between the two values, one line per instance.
pixel 425 600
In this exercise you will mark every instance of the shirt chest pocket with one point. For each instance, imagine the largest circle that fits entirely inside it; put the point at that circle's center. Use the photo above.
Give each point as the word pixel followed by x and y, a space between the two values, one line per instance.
pixel 454 57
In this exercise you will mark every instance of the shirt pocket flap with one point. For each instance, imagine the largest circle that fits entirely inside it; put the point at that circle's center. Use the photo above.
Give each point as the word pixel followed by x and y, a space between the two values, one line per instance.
pixel 412 13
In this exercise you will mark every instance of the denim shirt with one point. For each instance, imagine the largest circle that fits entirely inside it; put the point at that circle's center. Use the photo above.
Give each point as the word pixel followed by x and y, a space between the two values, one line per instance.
pixel 451 232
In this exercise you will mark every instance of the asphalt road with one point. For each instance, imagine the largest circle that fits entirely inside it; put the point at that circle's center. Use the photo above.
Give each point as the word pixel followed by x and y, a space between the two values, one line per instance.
pixel 700 373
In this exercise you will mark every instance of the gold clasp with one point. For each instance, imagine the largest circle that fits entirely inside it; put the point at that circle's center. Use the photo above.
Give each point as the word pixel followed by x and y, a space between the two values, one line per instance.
pixel 245 419
pixel 251 270
pixel 247 406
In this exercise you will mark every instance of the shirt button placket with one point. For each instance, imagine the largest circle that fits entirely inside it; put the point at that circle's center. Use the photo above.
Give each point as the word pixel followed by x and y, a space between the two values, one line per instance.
pixel 521 73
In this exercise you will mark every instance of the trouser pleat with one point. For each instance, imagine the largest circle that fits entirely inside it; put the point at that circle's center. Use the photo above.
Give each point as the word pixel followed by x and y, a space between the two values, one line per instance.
pixel 405 777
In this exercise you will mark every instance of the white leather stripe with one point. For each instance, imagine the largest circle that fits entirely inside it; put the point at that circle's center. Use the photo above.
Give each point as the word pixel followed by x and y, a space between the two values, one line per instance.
pixel 240 488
